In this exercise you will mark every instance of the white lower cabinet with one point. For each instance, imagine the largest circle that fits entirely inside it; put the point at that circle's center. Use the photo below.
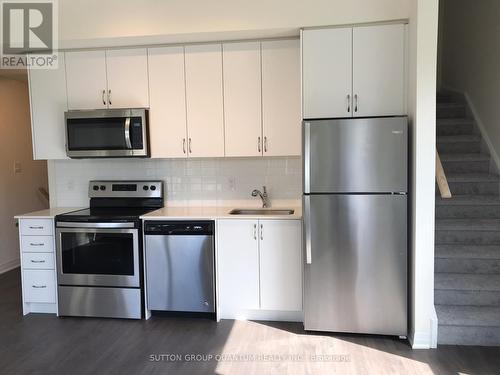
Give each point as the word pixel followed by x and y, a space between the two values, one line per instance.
pixel 238 267
pixel 280 265
pixel 39 286
pixel 259 266
pixel 38 267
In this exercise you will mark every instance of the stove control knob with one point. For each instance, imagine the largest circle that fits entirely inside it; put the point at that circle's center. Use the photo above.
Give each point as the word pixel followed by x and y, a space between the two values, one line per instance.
pixel 95 187
pixel 145 187
pixel 153 187
pixel 103 187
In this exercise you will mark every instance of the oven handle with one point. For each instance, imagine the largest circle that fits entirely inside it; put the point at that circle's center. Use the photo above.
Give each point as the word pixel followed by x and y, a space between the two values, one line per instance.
pixel 95 225
pixel 127 133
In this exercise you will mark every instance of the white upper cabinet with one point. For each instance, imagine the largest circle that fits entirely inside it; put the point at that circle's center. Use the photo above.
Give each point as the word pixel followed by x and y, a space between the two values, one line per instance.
pixel 238 265
pixel 107 79
pixel 281 120
pixel 354 72
pixel 204 100
pixel 280 265
pixel 86 79
pixel 242 99
pixel 167 115
pixel 379 70
pixel 127 73
pixel 48 102
pixel 327 72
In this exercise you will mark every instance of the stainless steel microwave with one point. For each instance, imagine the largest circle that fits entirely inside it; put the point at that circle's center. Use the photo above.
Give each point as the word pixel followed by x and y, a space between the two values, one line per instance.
pixel 107 133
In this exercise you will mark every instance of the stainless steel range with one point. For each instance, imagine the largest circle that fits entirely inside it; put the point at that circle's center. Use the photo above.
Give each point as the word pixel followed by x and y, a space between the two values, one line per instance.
pixel 99 250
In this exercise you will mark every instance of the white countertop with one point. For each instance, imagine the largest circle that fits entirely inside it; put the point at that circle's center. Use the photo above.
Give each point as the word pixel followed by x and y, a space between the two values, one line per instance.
pixel 178 213
pixel 48 213
pixel 216 212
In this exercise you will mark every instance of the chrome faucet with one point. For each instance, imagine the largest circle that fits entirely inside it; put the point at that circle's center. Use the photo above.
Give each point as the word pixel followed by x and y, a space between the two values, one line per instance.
pixel 263 195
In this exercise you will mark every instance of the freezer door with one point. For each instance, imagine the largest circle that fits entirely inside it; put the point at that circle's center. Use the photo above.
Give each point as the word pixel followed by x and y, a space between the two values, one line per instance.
pixel 355 155
pixel 356 264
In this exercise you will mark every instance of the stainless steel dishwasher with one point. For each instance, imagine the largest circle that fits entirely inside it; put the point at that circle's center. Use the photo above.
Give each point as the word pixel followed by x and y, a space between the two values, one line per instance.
pixel 180 266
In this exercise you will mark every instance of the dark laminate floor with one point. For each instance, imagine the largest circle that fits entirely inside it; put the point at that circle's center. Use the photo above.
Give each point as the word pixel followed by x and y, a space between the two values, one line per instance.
pixel 45 344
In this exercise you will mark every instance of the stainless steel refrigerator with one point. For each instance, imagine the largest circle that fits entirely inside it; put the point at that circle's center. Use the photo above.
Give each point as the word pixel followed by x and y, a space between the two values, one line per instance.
pixel 355 225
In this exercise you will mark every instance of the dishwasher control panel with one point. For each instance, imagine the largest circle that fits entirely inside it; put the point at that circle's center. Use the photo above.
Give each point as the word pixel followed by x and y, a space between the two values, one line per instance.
pixel 179 228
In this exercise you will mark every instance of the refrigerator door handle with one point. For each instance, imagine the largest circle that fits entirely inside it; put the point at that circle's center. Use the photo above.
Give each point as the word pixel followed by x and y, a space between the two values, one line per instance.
pixel 307 154
pixel 307 228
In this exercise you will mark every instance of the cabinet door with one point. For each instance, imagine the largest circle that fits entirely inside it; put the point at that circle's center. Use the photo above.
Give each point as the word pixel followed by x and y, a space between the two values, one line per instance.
pixel 204 100
pixel 281 97
pixel 327 73
pixel 379 70
pixel 167 95
pixel 242 99
pixel 238 265
pixel 127 73
pixel 86 79
pixel 280 265
pixel 48 103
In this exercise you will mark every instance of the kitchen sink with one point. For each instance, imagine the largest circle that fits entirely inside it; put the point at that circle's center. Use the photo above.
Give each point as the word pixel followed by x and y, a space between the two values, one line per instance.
pixel 261 211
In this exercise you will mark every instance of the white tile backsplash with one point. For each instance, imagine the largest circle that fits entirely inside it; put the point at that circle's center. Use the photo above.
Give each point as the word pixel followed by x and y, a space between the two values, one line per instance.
pixel 196 182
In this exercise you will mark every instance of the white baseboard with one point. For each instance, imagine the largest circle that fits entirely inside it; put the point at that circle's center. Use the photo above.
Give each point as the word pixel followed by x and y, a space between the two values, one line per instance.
pixel 482 130
pixel 420 340
pixel 10 265
pixel 240 314
pixel 480 125
pixel 434 328
pixel 426 340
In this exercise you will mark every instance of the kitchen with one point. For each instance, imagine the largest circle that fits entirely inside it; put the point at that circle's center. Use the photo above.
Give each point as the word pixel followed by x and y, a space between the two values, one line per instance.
pixel 225 138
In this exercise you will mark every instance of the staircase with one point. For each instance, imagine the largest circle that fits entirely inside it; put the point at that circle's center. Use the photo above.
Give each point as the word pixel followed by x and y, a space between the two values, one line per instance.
pixel 467 252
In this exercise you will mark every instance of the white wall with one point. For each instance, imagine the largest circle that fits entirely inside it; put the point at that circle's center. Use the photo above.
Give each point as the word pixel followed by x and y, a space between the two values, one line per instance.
pixel 94 22
pixel 470 53
pixel 18 191
pixel 202 182
pixel 422 108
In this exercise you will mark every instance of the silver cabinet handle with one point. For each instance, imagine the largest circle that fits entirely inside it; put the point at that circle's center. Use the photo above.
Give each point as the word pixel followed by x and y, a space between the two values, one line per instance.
pixel 356 103
pixel 258 144
pixel 255 232
pixel 265 144
pixel 39 286
pixel 261 232
pixel 36 244
pixel 109 97
pixel 103 100
pixel 128 143
pixel 184 145
pixel 307 231
pixel 348 103
pixel 37 261
pixel 37 227
pixel 189 146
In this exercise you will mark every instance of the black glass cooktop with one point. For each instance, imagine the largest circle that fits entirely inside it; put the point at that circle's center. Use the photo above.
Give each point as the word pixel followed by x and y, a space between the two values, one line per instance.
pixel 115 214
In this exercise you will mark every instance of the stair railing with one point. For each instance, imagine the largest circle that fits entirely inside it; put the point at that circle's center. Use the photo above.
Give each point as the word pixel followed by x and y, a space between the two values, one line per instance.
pixel 442 181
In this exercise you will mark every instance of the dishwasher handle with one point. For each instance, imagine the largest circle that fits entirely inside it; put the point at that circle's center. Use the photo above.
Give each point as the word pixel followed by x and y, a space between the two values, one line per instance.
pixel 179 228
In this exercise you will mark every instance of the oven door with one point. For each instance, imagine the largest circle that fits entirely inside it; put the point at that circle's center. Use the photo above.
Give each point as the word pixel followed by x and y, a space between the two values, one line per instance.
pixel 98 254
pixel 107 133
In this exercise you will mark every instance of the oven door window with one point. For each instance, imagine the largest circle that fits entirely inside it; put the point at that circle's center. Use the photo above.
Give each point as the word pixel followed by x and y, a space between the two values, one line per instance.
pixel 97 253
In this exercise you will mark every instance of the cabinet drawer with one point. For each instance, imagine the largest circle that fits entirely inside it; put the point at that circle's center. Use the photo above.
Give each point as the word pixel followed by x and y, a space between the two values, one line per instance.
pixel 37 244
pixel 34 227
pixel 39 286
pixel 38 261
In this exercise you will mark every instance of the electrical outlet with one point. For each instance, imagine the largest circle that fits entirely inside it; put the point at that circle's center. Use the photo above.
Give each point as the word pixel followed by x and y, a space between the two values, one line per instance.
pixel 231 182
pixel 17 167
